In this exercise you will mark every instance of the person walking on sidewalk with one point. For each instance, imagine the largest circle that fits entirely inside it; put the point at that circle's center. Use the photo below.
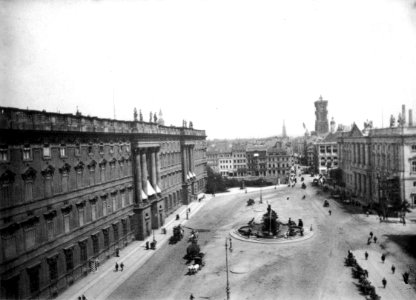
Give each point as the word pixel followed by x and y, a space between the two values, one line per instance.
pixel 121 267
pixel 330 212
pixel 393 268
pixel 371 234
pixel 366 255
pixel 191 297
pixel 383 258
pixel 369 241
pixel 116 267
pixel 375 239
pixel 384 281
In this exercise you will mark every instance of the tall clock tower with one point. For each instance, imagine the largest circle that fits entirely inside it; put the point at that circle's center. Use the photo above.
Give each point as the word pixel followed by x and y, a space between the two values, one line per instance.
pixel 321 113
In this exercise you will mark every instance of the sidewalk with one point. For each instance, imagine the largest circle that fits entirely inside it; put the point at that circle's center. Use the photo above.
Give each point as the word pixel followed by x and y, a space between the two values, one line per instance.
pixel 105 280
pixel 377 270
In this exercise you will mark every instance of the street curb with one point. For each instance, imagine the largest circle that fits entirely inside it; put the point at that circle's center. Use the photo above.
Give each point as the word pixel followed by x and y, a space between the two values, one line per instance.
pixel 307 235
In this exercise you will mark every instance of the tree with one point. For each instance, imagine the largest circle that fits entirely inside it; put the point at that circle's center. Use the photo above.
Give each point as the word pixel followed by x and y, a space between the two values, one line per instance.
pixel 215 182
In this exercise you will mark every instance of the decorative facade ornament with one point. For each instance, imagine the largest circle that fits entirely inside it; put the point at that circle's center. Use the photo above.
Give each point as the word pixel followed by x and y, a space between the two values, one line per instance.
pixel 7 176
pixel 79 166
pixel 48 171
pixel 102 163
pixel 65 168
pixel 91 165
pixel 29 174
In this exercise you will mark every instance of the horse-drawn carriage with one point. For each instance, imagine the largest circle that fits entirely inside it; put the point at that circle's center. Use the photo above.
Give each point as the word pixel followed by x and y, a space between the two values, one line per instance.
pixel 177 234
pixel 250 202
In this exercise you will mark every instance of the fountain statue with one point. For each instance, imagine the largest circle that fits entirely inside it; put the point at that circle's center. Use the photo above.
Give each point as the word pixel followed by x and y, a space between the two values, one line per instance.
pixel 272 227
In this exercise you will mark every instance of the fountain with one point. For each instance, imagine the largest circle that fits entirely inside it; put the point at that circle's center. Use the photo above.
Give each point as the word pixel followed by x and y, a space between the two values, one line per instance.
pixel 271 228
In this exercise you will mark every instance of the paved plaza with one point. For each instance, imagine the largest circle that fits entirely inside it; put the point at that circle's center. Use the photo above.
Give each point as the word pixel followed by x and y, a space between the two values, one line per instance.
pixel 311 268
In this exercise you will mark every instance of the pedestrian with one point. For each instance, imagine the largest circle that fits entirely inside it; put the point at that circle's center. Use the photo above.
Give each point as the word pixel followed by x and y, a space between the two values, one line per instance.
pixel 147 245
pixel 287 198
pixel 371 234
pixel 366 273
pixel 84 298
pixel 393 268
pixel 367 213
pixel 404 222
pixel 383 258
pixel 369 241
pixel 189 210
pixel 384 281
pixel 79 298
pixel 187 215
pixel 330 212
pixel 366 255
pixel 121 267
pixel 191 297
pixel 116 267
pixel 375 239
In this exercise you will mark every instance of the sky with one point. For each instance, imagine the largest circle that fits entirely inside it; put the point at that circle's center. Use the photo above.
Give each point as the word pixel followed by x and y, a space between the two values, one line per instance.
pixel 235 68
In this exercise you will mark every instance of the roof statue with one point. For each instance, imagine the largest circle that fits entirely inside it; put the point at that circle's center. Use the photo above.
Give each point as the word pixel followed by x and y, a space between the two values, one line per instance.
pixel 140 116
pixel 150 117
pixel 392 121
pixel 135 115
pixel 161 121
pixel 154 118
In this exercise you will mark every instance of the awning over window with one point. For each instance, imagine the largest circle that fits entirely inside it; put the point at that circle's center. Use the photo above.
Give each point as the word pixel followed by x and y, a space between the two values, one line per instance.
pixel 158 190
pixel 150 190
pixel 144 196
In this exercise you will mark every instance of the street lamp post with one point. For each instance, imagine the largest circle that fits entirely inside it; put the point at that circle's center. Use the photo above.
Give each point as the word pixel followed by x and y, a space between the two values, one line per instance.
pixel 227 289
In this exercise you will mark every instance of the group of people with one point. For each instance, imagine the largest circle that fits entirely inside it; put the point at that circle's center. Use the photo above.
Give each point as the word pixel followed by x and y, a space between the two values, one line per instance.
pixel 121 267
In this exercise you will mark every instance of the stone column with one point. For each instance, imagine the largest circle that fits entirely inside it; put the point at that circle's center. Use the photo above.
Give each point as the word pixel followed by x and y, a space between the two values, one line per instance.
pixel 138 179
pixel 183 150
pixel 158 169
pixel 144 171
pixel 153 162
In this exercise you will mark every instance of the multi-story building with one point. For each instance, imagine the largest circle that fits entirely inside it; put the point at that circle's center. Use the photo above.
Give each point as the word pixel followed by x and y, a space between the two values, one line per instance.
pixel 225 163
pixel 326 153
pixel 74 189
pixel 212 161
pixel 375 160
pixel 257 160
pixel 279 163
pixel 239 160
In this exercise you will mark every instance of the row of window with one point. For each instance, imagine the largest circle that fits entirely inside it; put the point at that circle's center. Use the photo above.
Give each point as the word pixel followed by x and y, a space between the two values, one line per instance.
pixel 34 272
pixel 27 151
pixel 53 184
pixel 70 219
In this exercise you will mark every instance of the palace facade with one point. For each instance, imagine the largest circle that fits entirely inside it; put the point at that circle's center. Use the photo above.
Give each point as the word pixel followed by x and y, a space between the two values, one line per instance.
pixel 75 189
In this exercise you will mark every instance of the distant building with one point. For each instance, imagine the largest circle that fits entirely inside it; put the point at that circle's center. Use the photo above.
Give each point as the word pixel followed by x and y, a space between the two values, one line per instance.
pixel 239 160
pixel 74 189
pixel 326 153
pixel 257 161
pixel 225 163
pixel 321 113
pixel 279 163
pixel 212 161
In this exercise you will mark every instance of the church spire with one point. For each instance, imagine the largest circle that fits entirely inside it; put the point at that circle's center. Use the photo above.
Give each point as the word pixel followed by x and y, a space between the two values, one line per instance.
pixel 284 130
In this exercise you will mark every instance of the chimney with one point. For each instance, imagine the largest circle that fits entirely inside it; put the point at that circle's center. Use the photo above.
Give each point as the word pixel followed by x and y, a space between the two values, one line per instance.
pixel 404 114
pixel 410 117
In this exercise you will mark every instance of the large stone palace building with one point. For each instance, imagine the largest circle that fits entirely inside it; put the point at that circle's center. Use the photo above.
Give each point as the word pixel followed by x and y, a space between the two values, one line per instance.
pixel 74 189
